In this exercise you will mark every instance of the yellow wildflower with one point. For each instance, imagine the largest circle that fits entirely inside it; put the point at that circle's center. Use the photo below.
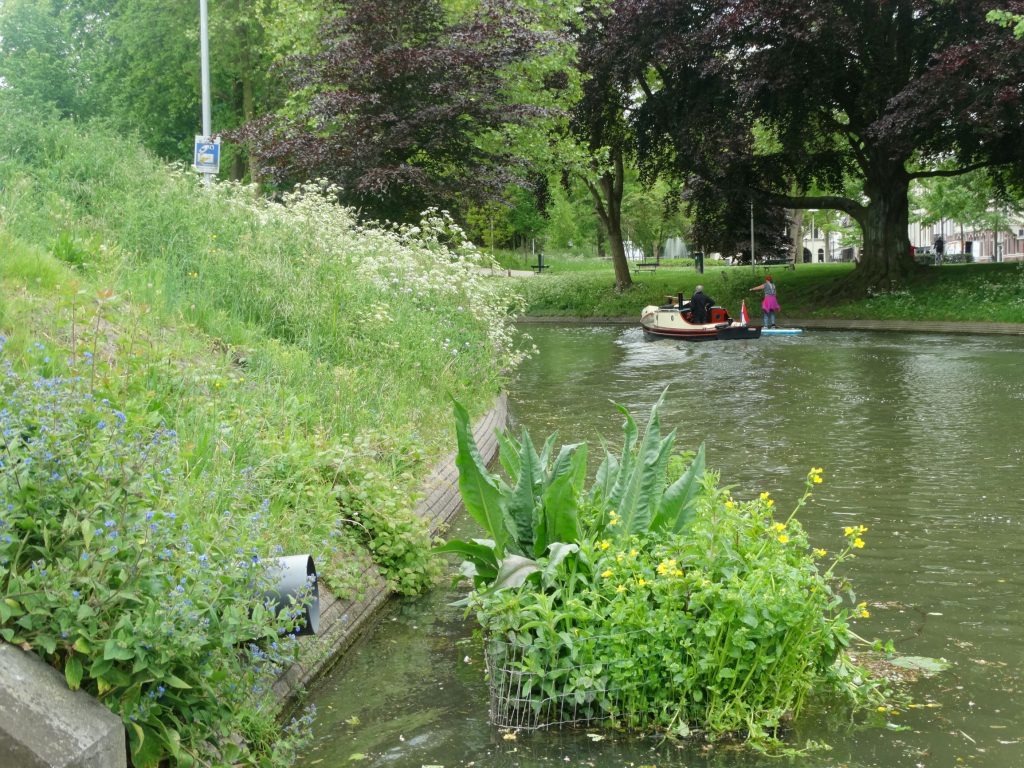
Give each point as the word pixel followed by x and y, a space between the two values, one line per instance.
pixel 730 504
pixel 641 582
pixel 862 610
pixel 621 588
pixel 619 557
pixel 780 526
pixel 604 544
pixel 665 566
pixel 847 531
pixel 765 495
pixel 858 543
pixel 677 572
pixel 633 553
pixel 817 479
pixel 783 539
pixel 606 574
pixel 820 552
pixel 614 521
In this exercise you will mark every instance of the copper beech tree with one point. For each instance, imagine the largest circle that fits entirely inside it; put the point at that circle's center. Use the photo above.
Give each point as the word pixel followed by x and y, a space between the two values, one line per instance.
pixel 804 104
pixel 396 102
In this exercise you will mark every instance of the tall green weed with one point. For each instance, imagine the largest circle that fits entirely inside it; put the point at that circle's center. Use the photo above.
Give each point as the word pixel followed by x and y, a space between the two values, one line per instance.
pixel 334 344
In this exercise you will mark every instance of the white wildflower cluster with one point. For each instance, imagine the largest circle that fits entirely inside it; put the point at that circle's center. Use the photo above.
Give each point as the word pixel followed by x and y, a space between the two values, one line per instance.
pixel 433 265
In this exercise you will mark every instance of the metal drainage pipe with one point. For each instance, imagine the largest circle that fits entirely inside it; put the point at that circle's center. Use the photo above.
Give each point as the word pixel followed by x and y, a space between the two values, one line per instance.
pixel 295 579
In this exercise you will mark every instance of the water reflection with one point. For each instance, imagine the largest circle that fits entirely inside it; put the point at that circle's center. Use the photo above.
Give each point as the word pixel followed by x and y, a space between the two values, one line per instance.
pixel 920 440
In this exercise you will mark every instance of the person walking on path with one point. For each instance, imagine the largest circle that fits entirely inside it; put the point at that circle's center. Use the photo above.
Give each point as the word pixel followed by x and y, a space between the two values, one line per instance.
pixel 770 303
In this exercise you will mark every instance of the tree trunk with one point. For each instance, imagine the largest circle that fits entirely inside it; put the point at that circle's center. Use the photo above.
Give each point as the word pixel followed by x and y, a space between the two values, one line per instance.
pixel 245 100
pixel 249 114
pixel 796 231
pixel 618 250
pixel 886 261
pixel 607 196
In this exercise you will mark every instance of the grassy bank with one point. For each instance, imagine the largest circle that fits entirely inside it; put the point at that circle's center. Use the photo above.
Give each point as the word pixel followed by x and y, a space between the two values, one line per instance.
pixel 975 292
pixel 295 369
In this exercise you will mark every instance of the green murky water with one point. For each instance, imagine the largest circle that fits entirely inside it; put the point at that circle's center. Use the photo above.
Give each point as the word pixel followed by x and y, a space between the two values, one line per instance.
pixel 921 438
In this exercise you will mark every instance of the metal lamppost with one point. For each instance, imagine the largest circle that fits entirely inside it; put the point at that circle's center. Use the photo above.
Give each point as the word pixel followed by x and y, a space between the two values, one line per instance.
pixel 206 153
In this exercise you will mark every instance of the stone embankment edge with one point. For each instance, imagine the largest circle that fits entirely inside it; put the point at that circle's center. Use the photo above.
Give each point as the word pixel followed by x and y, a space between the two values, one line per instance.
pixel 341 621
pixel 44 723
pixel 822 324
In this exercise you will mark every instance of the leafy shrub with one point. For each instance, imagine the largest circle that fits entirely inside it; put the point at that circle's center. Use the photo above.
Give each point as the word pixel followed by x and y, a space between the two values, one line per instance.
pixel 380 511
pixel 68 250
pixel 658 605
pixel 100 577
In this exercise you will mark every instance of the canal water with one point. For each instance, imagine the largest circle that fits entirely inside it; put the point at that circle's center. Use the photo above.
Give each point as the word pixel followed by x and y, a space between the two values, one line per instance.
pixel 921 438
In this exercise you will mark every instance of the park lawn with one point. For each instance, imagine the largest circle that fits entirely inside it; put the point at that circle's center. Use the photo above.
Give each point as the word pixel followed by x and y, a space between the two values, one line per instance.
pixel 575 287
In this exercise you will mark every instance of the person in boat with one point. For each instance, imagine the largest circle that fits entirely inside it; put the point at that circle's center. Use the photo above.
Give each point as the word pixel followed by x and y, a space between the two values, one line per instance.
pixel 770 303
pixel 700 303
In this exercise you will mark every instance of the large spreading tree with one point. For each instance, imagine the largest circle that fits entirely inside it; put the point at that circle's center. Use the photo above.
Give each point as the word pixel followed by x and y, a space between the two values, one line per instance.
pixel 786 101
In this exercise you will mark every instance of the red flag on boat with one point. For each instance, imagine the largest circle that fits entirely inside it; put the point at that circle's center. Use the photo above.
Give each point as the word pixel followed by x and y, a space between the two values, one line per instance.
pixel 743 312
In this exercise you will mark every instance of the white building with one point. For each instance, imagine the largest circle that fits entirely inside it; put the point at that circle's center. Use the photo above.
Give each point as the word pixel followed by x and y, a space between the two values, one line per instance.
pixel 821 246
pixel 983 245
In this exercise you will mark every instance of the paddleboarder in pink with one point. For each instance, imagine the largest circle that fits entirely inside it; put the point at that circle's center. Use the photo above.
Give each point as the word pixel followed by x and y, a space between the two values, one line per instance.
pixel 770 303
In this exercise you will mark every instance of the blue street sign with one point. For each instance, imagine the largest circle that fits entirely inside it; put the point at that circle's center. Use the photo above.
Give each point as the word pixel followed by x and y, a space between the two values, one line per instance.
pixel 206 155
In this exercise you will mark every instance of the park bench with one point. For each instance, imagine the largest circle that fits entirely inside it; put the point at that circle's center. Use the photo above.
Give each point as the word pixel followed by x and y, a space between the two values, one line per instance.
pixel 780 261
pixel 645 266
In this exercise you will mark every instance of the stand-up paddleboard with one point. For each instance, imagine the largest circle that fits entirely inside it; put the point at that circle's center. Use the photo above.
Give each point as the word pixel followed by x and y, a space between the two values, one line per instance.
pixel 781 331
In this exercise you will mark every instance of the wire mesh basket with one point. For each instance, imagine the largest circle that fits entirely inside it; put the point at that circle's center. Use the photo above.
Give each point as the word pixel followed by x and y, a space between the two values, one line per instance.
pixel 575 683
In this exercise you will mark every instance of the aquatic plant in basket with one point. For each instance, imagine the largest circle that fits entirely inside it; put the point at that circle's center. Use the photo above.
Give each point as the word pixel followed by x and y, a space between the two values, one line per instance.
pixel 650 604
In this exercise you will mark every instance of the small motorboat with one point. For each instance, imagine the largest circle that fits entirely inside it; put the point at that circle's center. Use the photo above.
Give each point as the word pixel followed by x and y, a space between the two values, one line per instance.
pixel 674 320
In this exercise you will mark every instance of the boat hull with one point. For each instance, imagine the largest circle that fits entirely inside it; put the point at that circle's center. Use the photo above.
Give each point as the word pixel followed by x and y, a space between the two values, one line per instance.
pixel 665 323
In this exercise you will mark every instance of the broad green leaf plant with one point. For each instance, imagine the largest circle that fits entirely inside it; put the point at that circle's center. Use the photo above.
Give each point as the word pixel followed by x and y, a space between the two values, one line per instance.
pixel 536 514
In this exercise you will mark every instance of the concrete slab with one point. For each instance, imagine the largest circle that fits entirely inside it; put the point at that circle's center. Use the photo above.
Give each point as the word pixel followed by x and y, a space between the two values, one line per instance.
pixel 43 724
